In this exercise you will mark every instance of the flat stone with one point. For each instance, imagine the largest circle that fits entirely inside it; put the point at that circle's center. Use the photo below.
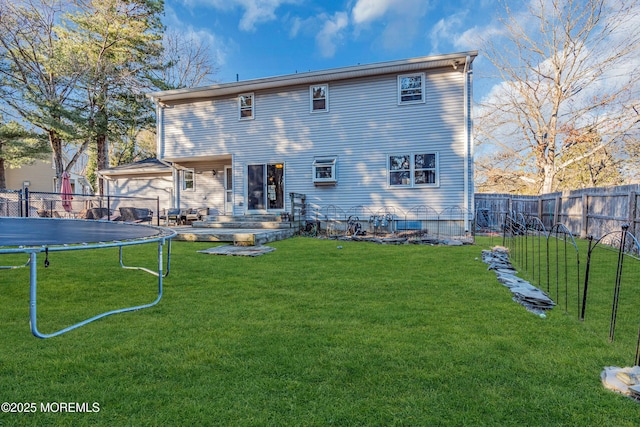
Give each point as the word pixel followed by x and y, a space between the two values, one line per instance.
pixel 238 250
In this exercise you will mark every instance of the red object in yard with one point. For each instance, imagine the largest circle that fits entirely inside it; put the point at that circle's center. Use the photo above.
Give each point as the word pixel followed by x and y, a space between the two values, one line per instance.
pixel 66 191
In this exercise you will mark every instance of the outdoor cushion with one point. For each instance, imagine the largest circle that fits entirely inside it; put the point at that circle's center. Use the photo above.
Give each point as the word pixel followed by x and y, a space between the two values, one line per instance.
pixel 99 213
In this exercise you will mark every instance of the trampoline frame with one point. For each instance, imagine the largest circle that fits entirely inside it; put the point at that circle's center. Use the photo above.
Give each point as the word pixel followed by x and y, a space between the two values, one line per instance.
pixel 165 236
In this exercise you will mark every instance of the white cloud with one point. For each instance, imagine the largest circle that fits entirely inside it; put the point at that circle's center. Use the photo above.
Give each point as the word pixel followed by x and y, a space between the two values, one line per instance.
pixel 254 11
pixel 331 33
pixel 391 11
pixel 446 29
pixel 218 48
pixel 400 20
pixel 296 26
pixel 369 10
pixel 258 11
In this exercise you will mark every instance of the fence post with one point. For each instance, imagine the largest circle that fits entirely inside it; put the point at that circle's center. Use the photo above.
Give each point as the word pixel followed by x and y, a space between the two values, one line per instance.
pixel 556 211
pixel 632 211
pixel 26 203
pixel 585 216
pixel 540 207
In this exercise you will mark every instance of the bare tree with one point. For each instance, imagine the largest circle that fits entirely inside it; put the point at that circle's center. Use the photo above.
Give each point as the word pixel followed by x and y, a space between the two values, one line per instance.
pixel 564 64
pixel 187 62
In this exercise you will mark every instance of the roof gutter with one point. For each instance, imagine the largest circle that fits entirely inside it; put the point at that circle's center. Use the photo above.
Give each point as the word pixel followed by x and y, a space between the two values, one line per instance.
pixel 403 66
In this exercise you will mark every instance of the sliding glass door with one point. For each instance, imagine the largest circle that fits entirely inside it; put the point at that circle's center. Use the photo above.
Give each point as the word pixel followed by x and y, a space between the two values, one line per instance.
pixel 265 187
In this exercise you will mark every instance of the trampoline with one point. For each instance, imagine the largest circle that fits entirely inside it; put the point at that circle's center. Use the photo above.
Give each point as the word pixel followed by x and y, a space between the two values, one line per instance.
pixel 33 236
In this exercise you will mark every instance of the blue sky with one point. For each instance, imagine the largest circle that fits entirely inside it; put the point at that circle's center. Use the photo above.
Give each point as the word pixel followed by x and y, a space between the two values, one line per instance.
pixel 264 38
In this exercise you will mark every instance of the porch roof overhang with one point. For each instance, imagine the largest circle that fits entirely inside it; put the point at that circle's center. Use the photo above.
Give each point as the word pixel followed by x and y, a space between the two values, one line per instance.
pixel 188 161
pixel 144 167
pixel 454 60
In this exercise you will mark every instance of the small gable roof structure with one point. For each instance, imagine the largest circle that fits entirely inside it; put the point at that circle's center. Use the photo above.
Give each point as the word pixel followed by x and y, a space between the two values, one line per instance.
pixel 141 167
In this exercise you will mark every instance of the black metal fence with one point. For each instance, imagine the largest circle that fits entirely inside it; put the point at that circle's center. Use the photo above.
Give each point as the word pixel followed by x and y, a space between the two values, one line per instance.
pixel 417 223
pixel 25 203
pixel 575 272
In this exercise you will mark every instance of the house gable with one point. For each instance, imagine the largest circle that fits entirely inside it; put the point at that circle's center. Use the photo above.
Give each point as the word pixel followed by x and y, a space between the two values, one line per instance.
pixel 366 126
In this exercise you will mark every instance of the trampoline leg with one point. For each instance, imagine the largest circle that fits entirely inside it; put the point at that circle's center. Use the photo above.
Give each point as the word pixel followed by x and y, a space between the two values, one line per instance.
pixel 33 280
pixel 33 310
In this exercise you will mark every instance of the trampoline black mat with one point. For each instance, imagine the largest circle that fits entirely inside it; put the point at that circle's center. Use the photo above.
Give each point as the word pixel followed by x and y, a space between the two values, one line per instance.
pixel 55 231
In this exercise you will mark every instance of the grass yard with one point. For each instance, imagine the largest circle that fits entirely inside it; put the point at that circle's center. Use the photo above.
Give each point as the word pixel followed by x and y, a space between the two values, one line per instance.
pixel 308 335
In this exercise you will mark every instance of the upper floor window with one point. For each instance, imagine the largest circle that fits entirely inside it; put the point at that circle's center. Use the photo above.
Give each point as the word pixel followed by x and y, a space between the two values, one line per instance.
pixel 319 95
pixel 413 169
pixel 411 88
pixel 245 106
pixel 188 180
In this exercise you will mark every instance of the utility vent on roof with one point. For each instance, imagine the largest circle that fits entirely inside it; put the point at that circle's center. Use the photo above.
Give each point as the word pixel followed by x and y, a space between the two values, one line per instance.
pixel 324 171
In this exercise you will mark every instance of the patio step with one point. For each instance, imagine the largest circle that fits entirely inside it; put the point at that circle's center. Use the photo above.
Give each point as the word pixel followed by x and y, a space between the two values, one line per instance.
pixel 270 222
pixel 237 236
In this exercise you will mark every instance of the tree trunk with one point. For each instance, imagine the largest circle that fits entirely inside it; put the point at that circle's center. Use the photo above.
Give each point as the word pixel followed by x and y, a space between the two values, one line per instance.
pixel 56 148
pixel 103 159
pixel 3 179
pixel 547 183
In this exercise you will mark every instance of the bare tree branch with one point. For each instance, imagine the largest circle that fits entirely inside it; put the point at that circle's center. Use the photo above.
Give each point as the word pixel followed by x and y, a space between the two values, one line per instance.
pixel 562 62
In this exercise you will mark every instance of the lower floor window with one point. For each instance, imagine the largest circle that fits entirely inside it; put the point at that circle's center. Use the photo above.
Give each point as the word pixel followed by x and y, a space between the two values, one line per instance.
pixel 188 179
pixel 413 169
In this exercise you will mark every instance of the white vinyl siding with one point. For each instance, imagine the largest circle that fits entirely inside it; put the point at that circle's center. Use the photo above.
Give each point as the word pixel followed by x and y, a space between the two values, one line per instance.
pixel 150 187
pixel 358 130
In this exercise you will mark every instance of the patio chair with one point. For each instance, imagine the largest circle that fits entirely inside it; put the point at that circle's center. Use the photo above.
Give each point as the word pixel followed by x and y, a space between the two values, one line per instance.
pixel 188 215
pixel 202 212
pixel 171 215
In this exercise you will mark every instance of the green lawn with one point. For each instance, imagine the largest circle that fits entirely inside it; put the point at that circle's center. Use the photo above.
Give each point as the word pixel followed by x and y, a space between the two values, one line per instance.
pixel 307 335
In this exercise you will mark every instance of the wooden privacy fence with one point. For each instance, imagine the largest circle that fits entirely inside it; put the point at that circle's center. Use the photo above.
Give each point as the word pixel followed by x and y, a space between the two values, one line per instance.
pixel 587 212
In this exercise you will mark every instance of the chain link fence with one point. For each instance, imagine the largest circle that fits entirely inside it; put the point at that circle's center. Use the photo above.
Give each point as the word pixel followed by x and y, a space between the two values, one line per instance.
pixel 25 203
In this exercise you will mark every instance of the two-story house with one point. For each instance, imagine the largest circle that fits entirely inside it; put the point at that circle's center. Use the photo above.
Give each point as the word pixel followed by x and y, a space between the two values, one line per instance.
pixel 388 134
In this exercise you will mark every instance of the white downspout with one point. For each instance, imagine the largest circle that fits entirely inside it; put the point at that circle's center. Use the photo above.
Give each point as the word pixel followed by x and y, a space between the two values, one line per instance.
pixel 175 196
pixel 468 146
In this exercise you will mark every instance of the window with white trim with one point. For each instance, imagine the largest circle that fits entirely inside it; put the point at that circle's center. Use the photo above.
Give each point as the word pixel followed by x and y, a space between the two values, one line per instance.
pixel 324 170
pixel 245 106
pixel 411 88
pixel 413 170
pixel 319 96
pixel 188 180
